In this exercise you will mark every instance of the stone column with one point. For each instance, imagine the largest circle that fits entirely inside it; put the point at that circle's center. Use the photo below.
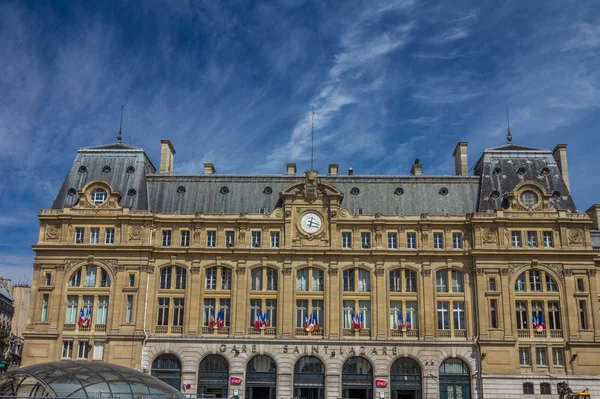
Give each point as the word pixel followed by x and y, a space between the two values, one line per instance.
pixel 192 300
pixel 143 285
pixel 333 309
pixel 428 302
pixel 484 309
pixel 241 305
pixel 379 311
pixel 286 299
pixel 594 304
pixel 507 305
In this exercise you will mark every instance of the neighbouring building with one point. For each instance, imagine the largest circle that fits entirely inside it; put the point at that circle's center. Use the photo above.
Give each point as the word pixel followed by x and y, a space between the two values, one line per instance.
pixel 323 285
pixel 11 346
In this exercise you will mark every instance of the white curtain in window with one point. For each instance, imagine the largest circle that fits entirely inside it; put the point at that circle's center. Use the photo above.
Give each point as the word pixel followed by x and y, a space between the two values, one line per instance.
pixel 98 350
pixel 90 276
pixel 102 314
pixel 302 280
pixel 364 280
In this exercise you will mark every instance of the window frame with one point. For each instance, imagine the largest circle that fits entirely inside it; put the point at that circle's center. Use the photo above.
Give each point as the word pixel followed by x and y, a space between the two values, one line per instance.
pixel 457 240
pixel 166 238
pixel 109 235
pixel 392 238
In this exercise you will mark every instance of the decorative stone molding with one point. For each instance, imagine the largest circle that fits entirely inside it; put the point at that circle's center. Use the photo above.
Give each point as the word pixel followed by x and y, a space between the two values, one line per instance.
pixel 135 232
pixel 591 273
pixel 240 270
pixel 505 271
pixel 52 231
pixel 333 271
pixel 147 269
pixel 575 236
pixel 379 271
pixel 488 236
pixel 195 270
pixel 480 272
pixel 37 266
pixel 286 271
pixel 515 267
pixel 426 272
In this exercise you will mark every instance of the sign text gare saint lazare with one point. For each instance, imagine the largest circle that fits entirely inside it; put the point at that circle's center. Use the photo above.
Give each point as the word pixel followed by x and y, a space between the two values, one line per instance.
pixel 329 350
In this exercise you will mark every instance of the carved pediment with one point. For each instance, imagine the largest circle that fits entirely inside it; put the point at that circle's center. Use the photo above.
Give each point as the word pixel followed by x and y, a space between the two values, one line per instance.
pixel 311 189
pixel 88 199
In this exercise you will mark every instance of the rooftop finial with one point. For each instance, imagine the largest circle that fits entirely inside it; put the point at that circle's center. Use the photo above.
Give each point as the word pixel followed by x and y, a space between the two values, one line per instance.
pixel 120 136
pixel 312 147
pixel 508 135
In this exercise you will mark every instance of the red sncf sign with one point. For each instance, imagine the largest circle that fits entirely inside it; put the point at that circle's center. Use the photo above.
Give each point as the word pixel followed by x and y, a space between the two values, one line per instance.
pixel 238 381
pixel 381 383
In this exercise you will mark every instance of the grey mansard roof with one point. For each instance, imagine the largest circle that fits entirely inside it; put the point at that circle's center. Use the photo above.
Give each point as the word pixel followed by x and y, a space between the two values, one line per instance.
pixel 376 194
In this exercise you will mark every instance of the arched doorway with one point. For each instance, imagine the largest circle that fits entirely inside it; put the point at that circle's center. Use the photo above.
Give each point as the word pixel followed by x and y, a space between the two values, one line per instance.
pixel 213 377
pixel 357 379
pixel 167 368
pixel 309 378
pixel 405 379
pixel 261 378
pixel 455 380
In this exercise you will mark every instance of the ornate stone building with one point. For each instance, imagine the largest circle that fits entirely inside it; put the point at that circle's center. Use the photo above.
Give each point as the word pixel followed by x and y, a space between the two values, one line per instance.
pixel 323 285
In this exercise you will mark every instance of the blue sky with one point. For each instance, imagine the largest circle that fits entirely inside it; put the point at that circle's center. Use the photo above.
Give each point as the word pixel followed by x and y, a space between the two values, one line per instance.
pixel 233 82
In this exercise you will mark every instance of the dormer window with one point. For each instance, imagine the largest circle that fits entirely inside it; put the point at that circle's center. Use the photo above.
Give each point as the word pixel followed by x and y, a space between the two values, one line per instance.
pixel 99 196
pixel 529 198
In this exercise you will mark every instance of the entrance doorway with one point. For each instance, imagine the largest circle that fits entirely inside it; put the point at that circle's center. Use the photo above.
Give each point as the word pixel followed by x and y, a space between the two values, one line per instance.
pixel 357 379
pixel 167 368
pixel 405 379
pixel 213 376
pixel 309 378
pixel 261 378
pixel 455 380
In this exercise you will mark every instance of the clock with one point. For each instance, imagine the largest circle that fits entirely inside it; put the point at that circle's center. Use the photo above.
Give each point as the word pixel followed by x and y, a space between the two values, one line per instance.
pixel 311 223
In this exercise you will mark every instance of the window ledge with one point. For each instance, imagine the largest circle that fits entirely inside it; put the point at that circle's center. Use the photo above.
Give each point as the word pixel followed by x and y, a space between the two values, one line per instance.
pixel 492 293
pixel 46 288
pixel 130 289
pixel 584 294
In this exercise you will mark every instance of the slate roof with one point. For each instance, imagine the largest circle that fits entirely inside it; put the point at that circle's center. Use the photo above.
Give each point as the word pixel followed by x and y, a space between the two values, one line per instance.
pixel 4 292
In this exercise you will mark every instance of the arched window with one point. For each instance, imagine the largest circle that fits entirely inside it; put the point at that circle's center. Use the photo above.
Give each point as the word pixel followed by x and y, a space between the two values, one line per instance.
pixel 168 274
pixel 213 376
pixel 309 378
pixel 402 280
pixel 90 276
pixel 357 280
pixel 88 312
pixel 357 378
pixel 455 379
pixel 264 279
pixel 309 301
pixel 167 368
pixel 261 378
pixel 218 276
pixel 310 279
pixel 545 388
pixel 533 318
pixel 528 388
pixel 171 305
pixel 403 303
pixel 405 376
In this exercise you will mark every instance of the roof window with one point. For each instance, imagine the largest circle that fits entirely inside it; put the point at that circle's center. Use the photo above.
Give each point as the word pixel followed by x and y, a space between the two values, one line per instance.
pixel 545 172
pixel 132 192
pixel 224 190
pixel 268 190
pixel 556 194
pixel 355 191
pixel 180 190
pixel 399 191
pixel 495 195
pixel 106 169
pixel 130 169
pixel 443 191
pixel 82 169
pixel 497 171
pixel 521 171
pixel 72 192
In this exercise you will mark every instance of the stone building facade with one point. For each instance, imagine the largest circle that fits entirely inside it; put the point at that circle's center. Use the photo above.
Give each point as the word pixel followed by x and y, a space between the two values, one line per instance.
pixel 323 285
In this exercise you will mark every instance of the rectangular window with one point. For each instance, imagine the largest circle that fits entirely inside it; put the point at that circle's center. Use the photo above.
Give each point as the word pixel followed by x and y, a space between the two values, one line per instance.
pixel 392 240
pixel 516 239
pixel 554 315
pixel 302 280
pixel 457 281
pixel 185 238
pixel 364 312
pixel 132 280
pixel 180 278
pixel 541 356
pixel 109 236
pixel 165 278
pixel 94 235
pixel 318 278
pixel 535 280
pixel 365 239
pixel 349 280
pixel 558 356
pixel 492 284
pixel 45 299
pixel 272 279
pixel 166 238
pixel 348 314
pixel 211 238
pixel 583 320
pixel 301 313
pixel 411 240
pixel 163 311
pixel 528 388
pixel 537 312
pixel 48 279
pixel 83 349
pixel 256 279
pixel 459 315
pixel 364 280
pixel 271 309
pixel 494 313
pixel 129 311
pixel 229 239
pixel 211 278
pixel 88 305
pixel 67 349
pixel 255 312
pixel 226 277
pixel 457 240
pixel 346 239
pixel 72 305
pixel 256 239
pixel 522 320
pixel 317 311
pixel 102 314
pixel 395 314
pixel 525 356
pixel 274 239
pixel 209 314
pixel 441 281
pixel 548 239
pixel 224 309
pixel 412 314
pixel 443 316
pixel 410 281
pixel 90 276
pixel 580 285
pixel 438 240
pixel 79 234
pixel 532 239
pixel 178 308
pixel 98 350
pixel 396 280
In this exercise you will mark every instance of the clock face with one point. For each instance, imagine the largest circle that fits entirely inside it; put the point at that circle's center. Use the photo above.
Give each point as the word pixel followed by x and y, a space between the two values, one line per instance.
pixel 311 223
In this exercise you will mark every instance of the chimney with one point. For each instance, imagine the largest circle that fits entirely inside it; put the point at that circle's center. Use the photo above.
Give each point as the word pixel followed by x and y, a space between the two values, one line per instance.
pixel 460 159
pixel 417 168
pixel 291 168
pixel 209 169
pixel 594 213
pixel 167 153
pixel 350 172
pixel 333 169
pixel 560 156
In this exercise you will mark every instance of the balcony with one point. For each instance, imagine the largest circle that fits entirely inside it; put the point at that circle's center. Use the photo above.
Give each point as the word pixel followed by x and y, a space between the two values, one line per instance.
pixel 161 329
pixel 556 334
pixel 100 327
pixel 443 333
pixel 176 329
pixel 268 331
pixel 301 332
pixel 525 333
pixel 357 333
pixel 207 330
pixel 412 333
pixel 460 333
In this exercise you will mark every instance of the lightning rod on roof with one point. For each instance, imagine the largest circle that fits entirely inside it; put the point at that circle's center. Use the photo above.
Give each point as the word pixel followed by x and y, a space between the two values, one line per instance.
pixel 508 135
pixel 312 134
pixel 120 136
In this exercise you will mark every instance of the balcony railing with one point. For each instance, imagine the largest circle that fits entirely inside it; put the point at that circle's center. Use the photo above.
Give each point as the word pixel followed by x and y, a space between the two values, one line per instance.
pixel 69 327
pixel 460 333
pixel 524 334
pixel 176 329
pixel 556 334
pixel 268 331
pixel 412 333
pixel 161 329
pixel 444 333
pixel 100 327
pixel 359 332
pixel 301 332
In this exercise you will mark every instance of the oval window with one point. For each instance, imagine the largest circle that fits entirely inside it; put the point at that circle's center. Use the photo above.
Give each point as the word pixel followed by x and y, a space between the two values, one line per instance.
pixel 99 196
pixel 529 198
